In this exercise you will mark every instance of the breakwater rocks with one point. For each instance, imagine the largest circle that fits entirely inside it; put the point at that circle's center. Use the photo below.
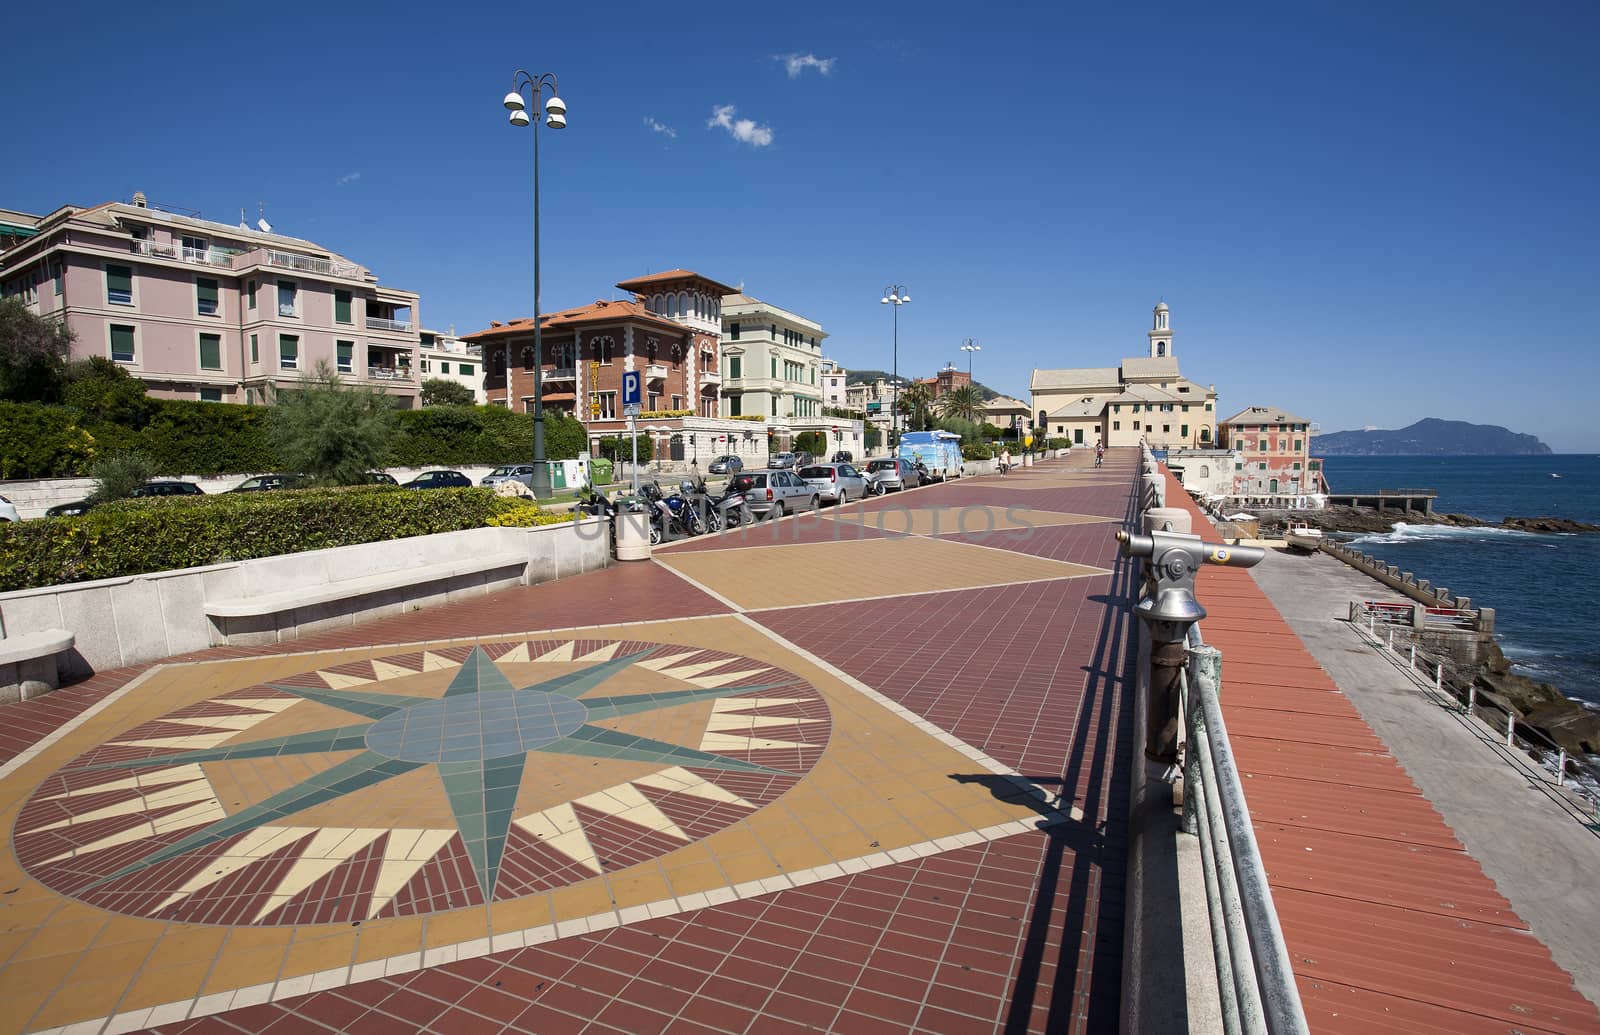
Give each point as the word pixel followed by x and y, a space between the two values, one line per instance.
pixel 1565 721
pixel 1360 519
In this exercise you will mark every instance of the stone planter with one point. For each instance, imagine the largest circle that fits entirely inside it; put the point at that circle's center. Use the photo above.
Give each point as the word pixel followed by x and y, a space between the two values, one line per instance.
pixel 633 535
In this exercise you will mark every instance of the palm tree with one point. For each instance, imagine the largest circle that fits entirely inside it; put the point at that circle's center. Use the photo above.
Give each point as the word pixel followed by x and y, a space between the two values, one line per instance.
pixel 915 400
pixel 962 402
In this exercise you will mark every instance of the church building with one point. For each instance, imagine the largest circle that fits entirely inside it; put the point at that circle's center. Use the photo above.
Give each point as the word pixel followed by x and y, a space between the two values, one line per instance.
pixel 1145 399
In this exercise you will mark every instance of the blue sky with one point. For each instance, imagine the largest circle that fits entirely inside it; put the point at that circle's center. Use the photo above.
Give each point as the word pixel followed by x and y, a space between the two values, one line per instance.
pixel 1365 213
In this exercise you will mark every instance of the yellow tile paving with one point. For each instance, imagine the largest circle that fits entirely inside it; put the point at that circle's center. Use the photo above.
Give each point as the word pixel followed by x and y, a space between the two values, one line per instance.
pixel 817 573
pixel 975 519
pixel 881 784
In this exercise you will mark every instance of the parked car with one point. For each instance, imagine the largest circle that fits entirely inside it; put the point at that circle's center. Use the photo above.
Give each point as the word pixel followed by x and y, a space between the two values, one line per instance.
pixel 843 456
pixel 836 483
pixel 378 478
pixel 894 472
pixel 145 491
pixel 803 459
pixel 773 492
pixel 271 482
pixel 726 464
pixel 509 473
pixel 781 462
pixel 167 488
pixel 72 509
pixel 439 480
pixel 8 510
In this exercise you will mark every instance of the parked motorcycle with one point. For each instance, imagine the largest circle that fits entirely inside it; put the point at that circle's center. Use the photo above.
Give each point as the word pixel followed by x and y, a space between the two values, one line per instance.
pixel 671 517
pixel 727 510
pixel 595 504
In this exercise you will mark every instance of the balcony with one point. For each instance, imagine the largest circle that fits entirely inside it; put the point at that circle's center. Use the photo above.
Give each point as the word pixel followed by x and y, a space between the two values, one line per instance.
pixel 379 323
pixel 389 373
pixel 560 374
pixel 710 377
pixel 656 372
pixel 311 264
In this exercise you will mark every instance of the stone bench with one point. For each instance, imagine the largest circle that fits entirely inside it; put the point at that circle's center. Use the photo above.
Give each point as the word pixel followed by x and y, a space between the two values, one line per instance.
pixel 28 663
pixel 241 617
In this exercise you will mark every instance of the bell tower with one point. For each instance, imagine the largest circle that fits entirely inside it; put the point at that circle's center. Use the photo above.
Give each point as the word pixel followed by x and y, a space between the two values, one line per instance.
pixel 1160 333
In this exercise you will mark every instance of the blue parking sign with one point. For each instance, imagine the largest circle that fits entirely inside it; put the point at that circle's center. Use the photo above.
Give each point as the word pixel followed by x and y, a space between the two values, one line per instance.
pixel 630 388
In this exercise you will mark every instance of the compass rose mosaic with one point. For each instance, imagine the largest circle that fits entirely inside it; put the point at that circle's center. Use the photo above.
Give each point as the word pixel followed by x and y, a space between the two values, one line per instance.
pixel 419 782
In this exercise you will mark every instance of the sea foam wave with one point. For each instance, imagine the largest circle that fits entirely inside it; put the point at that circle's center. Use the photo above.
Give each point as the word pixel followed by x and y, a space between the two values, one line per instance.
pixel 1409 533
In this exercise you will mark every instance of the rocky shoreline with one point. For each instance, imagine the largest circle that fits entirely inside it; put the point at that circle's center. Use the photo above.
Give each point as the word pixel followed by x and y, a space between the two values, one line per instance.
pixel 1360 519
pixel 1567 722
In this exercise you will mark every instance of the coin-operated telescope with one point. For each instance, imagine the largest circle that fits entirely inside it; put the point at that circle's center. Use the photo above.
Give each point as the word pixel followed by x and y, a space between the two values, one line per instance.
pixel 1168 610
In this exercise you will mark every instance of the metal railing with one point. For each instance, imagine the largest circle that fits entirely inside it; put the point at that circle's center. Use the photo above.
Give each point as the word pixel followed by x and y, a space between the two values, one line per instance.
pixel 380 323
pixel 1255 979
pixel 1575 778
pixel 389 373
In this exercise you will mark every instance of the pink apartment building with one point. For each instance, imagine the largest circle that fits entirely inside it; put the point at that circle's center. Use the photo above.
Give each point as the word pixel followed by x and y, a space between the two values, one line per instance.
pixel 203 310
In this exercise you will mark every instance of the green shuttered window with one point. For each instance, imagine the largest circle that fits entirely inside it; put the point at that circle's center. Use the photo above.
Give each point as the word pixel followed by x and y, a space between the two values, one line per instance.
pixel 206 296
pixel 210 352
pixel 121 344
pixel 288 351
pixel 347 352
pixel 119 285
pixel 341 306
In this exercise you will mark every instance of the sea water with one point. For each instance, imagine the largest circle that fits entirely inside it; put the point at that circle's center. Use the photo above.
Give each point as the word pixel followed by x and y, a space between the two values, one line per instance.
pixel 1545 589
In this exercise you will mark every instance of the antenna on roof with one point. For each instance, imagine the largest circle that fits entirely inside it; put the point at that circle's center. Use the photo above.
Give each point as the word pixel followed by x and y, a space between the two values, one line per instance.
pixel 242 224
pixel 265 226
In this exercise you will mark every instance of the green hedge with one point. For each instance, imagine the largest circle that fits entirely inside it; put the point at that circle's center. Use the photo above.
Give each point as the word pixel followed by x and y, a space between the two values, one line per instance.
pixel 39 441
pixel 480 435
pixel 133 537
pixel 975 451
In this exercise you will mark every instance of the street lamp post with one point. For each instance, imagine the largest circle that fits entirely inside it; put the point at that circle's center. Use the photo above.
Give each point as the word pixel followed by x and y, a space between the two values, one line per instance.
pixel 554 114
pixel 896 295
pixel 969 347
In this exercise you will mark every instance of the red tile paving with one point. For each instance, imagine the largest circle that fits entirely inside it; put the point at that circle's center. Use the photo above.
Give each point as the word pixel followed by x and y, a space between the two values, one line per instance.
pixel 1391 926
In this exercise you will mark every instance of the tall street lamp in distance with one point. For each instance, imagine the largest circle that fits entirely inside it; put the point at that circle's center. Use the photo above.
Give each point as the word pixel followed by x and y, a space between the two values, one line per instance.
pixel 896 295
pixel 969 347
pixel 554 114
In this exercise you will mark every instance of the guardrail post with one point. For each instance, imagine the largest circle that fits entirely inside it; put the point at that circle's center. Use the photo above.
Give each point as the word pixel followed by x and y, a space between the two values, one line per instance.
pixel 1561 771
pixel 1511 730
pixel 1472 698
pixel 1412 665
pixel 1438 675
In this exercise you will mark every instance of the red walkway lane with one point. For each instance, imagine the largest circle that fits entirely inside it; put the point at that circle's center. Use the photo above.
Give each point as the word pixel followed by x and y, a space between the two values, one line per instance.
pixel 1391 926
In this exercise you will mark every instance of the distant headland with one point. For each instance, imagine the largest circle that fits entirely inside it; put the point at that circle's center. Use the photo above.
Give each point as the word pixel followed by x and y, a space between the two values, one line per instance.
pixel 1431 436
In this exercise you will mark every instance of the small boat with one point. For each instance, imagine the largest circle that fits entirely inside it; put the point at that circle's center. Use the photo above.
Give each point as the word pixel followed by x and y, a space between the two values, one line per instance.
pixel 1555 476
pixel 1303 537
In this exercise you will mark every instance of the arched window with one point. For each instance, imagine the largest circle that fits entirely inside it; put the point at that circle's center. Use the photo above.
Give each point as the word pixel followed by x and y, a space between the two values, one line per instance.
pixel 1161 348
pixel 1205 470
pixel 655 303
pixel 683 304
pixel 500 363
pixel 527 357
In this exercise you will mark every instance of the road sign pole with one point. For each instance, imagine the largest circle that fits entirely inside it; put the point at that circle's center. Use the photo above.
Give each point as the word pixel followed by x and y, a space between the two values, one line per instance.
pixel 633 436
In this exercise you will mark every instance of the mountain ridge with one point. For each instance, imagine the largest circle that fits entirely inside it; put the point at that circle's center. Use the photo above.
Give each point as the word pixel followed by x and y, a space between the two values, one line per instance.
pixel 1431 436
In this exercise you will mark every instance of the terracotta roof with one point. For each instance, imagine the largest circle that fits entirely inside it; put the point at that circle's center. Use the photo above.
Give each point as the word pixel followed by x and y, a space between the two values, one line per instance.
pixel 598 311
pixel 1080 377
pixel 1149 366
pixel 1265 415
pixel 652 280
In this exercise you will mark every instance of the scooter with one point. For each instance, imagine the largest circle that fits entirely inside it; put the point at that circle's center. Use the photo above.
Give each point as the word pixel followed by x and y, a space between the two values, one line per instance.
pixel 728 510
pixel 593 503
pixel 664 522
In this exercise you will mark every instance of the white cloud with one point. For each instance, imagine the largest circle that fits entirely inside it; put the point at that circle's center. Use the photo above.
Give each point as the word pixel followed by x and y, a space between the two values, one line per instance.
pixel 797 63
pixel 743 130
pixel 666 131
pixel 348 178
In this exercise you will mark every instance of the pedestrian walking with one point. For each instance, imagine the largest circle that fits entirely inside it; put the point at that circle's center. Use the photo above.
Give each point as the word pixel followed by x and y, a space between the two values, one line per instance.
pixel 1005 460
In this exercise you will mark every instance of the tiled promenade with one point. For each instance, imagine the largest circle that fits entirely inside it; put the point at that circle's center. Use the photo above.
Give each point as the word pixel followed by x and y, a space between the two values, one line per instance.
pixel 762 783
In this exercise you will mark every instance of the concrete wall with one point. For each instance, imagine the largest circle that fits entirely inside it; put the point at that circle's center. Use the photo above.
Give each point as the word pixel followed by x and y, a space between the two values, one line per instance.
pixel 145 618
